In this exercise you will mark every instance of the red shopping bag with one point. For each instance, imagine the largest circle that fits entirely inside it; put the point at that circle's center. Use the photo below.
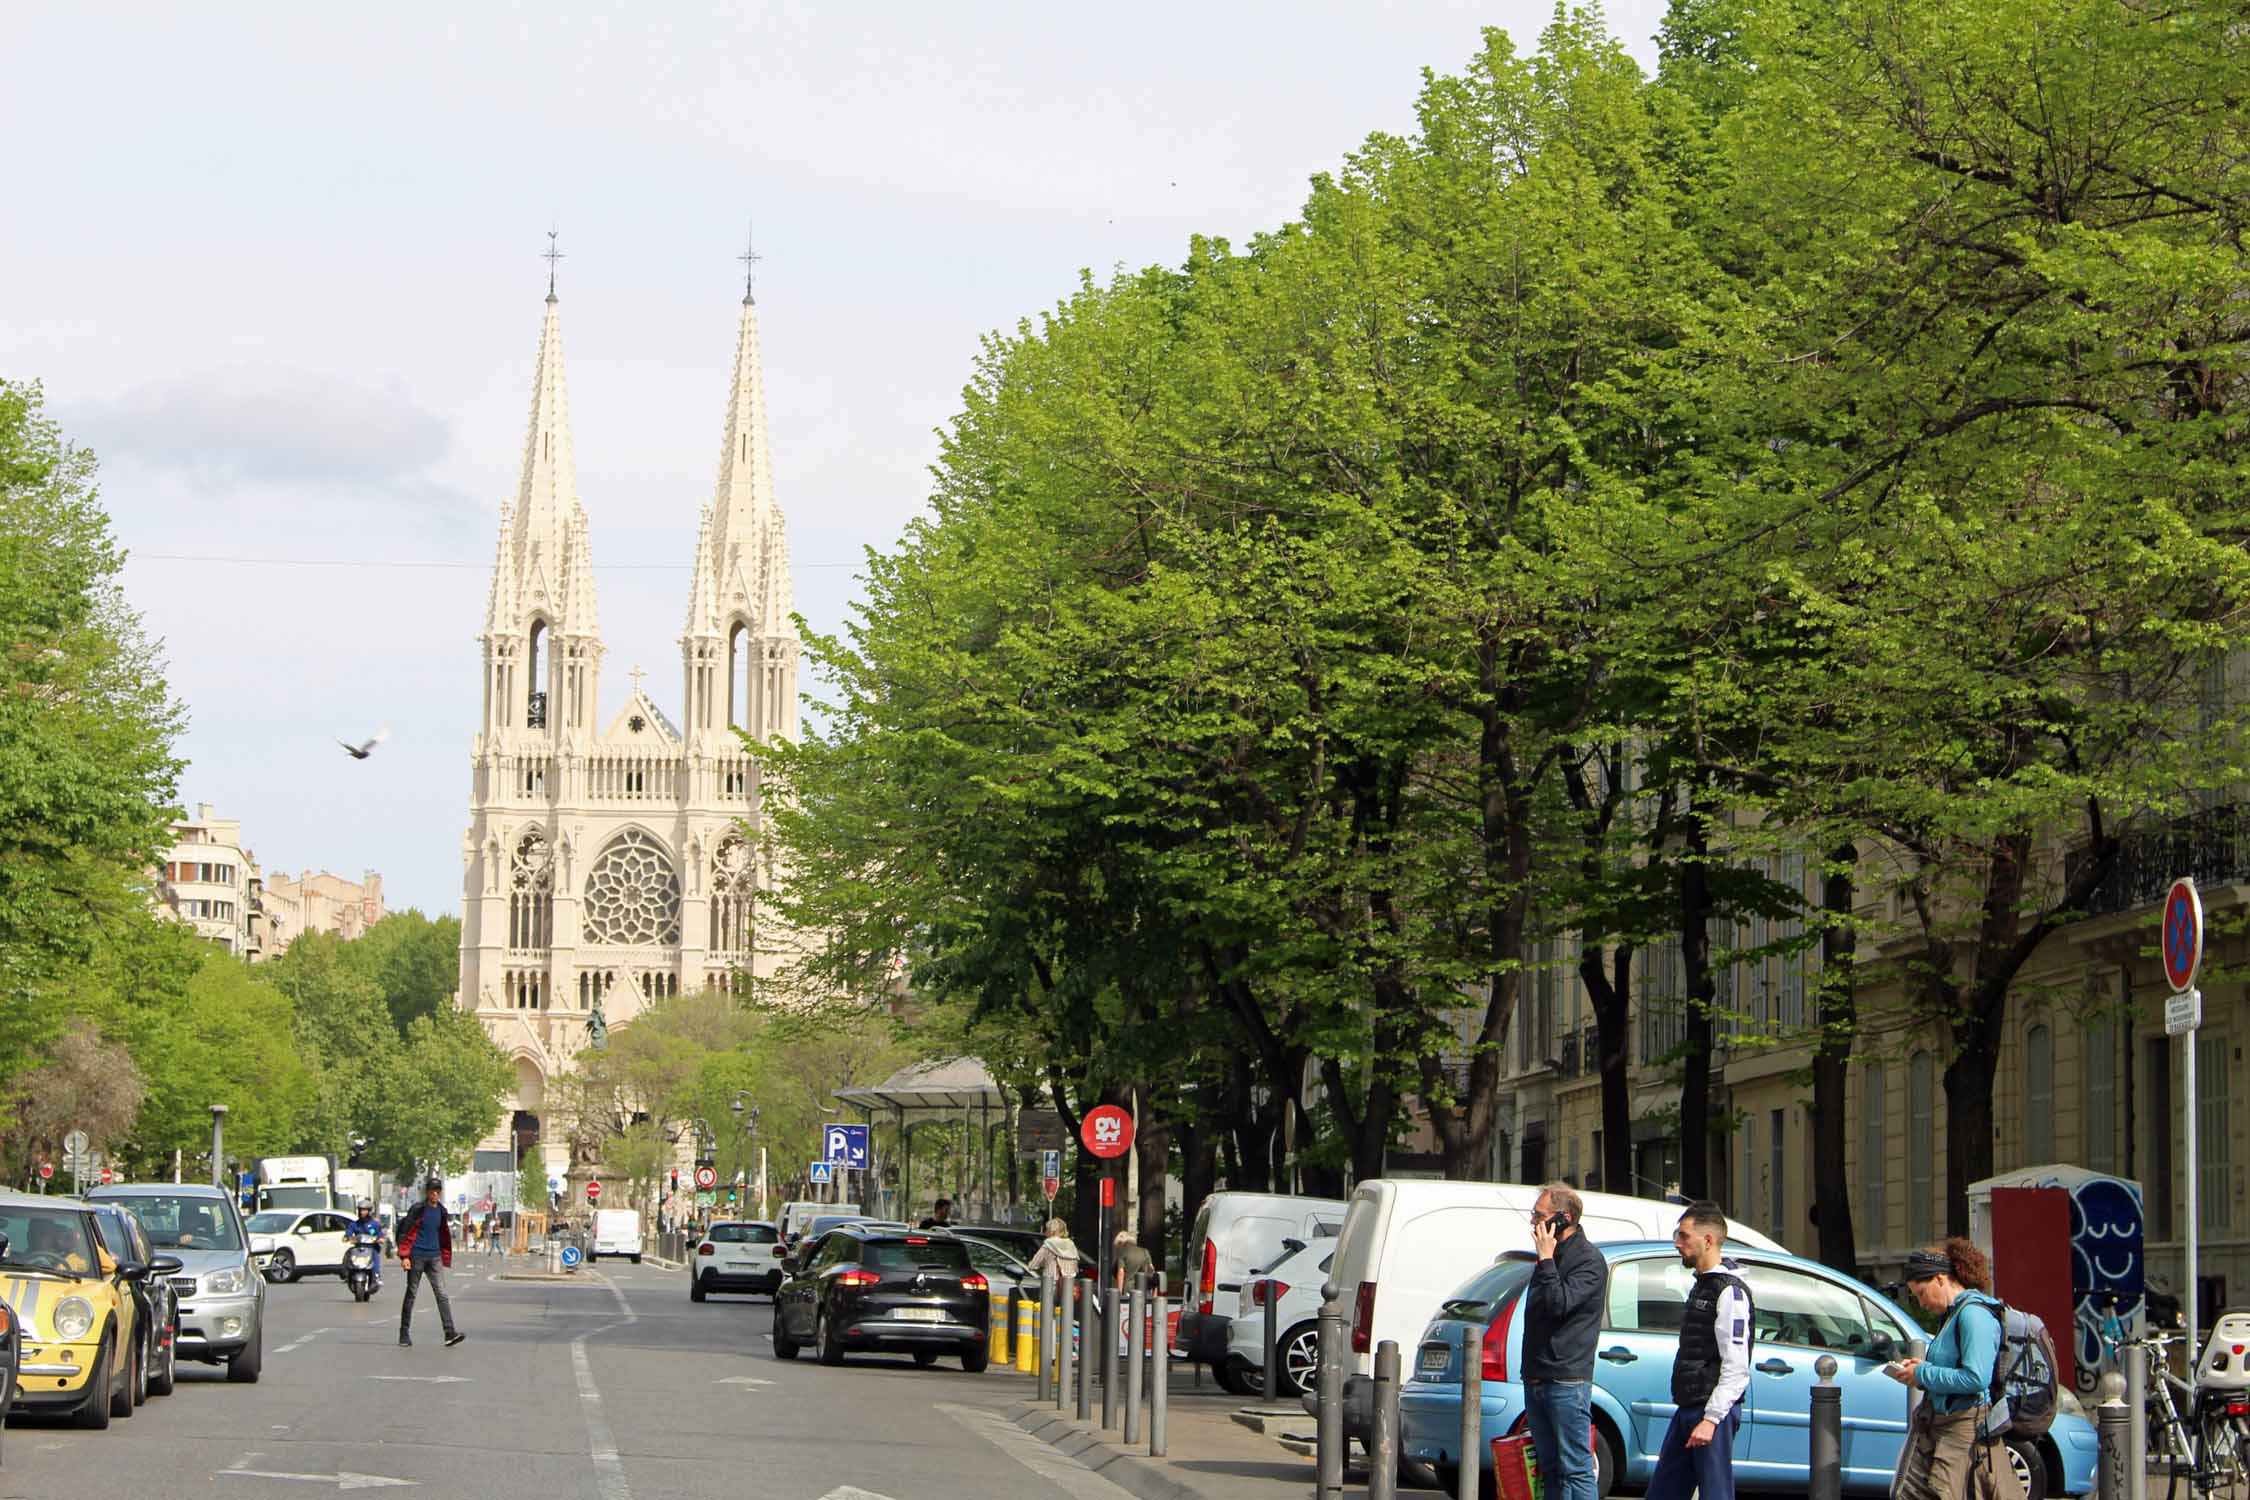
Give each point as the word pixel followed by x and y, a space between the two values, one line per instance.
pixel 1515 1469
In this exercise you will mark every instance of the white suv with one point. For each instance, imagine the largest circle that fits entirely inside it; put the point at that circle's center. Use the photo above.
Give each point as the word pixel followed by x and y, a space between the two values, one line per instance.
pixel 736 1255
pixel 291 1242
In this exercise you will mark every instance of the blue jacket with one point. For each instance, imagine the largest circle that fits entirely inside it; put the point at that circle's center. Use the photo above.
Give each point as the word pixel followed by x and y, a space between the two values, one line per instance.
pixel 414 1244
pixel 1957 1372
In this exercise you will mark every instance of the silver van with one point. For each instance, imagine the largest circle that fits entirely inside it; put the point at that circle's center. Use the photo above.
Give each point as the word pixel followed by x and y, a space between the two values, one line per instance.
pixel 222 1296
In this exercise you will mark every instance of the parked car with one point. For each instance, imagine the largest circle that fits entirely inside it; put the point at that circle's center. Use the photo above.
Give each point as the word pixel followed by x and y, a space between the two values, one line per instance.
pixel 820 1224
pixel 11 1352
pixel 1293 1285
pixel 1802 1310
pixel 866 1289
pixel 798 1213
pixel 617 1231
pixel 149 1277
pixel 736 1255
pixel 1234 1232
pixel 287 1243
pixel 80 1350
pixel 222 1298
pixel 1020 1243
pixel 1407 1244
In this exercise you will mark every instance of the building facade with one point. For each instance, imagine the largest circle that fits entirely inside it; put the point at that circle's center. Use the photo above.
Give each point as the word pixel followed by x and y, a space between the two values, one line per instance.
pixel 294 906
pixel 208 880
pixel 604 863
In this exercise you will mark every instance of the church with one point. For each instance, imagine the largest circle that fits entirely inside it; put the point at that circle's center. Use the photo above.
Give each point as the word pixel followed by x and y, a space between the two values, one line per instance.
pixel 604 865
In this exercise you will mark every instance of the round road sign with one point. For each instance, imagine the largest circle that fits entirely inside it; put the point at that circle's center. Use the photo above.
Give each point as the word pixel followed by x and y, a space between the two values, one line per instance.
pixel 1106 1131
pixel 593 1192
pixel 46 1170
pixel 2183 933
pixel 570 1255
pixel 706 1177
pixel 105 1177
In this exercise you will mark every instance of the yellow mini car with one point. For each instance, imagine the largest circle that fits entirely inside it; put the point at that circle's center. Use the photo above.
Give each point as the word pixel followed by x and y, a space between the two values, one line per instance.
pixel 77 1346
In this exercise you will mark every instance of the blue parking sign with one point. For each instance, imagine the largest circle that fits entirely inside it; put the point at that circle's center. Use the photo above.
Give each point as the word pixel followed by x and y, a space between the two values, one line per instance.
pixel 846 1146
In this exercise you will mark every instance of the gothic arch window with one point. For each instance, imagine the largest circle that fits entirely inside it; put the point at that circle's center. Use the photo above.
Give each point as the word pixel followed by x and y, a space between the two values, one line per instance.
pixel 535 676
pixel 531 893
pixel 734 885
pixel 738 676
pixel 633 893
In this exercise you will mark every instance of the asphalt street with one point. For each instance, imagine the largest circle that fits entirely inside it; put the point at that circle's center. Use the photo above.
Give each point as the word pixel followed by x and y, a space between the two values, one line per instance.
pixel 612 1386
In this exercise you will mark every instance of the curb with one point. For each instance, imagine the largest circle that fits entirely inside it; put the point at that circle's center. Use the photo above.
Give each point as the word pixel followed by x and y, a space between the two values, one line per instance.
pixel 1142 1477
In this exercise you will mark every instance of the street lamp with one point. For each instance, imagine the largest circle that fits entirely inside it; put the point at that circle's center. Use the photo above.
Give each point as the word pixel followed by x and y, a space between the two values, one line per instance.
pixel 218 1145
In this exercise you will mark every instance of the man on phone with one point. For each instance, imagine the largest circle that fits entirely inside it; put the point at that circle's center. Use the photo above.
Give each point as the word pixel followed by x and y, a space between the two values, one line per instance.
pixel 1562 1323
pixel 1711 1370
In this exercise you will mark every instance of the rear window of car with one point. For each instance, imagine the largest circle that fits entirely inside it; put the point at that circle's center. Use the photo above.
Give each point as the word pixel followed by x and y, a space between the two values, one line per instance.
pixel 1486 1291
pixel 914 1255
pixel 744 1234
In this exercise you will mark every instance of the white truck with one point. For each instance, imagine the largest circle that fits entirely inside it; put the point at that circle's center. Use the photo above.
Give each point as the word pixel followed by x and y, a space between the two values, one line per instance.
pixel 357 1185
pixel 298 1182
pixel 617 1231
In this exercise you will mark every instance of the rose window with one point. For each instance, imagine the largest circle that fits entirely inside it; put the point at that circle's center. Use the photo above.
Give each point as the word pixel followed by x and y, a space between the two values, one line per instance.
pixel 633 894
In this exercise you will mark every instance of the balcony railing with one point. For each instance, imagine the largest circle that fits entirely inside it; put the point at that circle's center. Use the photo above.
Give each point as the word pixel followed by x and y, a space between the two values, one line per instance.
pixel 2212 844
pixel 1568 1058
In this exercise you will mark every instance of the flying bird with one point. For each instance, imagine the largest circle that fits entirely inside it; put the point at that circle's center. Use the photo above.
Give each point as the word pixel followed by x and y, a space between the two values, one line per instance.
pixel 366 748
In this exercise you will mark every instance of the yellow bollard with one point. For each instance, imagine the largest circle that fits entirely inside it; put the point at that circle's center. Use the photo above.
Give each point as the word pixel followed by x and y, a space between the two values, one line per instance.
pixel 1027 1336
pixel 996 1334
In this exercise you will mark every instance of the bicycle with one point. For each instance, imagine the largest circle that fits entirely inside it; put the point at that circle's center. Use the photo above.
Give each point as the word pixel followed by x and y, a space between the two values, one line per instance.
pixel 2207 1443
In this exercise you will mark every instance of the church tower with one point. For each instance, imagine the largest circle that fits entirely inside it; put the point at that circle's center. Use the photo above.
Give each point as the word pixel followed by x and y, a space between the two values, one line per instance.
pixel 609 864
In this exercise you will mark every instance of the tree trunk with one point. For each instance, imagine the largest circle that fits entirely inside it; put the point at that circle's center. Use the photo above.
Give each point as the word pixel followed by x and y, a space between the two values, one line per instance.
pixel 1198 1169
pixel 1611 994
pixel 1152 1147
pixel 1695 960
pixel 1968 1125
pixel 1839 1026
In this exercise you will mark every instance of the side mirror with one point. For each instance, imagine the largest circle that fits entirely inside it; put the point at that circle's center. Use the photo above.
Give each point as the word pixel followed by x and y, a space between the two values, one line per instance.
pixel 3 1247
pixel 167 1265
pixel 133 1273
pixel 1880 1345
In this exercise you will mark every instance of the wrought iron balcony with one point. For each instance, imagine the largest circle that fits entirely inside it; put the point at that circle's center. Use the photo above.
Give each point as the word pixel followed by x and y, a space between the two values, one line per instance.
pixel 535 712
pixel 2212 844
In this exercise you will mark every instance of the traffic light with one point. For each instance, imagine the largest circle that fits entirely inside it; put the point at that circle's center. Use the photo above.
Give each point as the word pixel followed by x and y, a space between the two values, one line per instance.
pixel 730 1197
pixel 675 1179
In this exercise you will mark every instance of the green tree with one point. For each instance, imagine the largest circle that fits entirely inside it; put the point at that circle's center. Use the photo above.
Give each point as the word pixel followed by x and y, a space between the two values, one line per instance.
pixel 436 1095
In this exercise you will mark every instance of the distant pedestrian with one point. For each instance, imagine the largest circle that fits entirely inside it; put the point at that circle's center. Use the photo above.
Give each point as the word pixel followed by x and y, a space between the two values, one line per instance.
pixel 1711 1371
pixel 1131 1261
pixel 1563 1303
pixel 1946 1457
pixel 425 1248
pixel 941 1215
pixel 1057 1255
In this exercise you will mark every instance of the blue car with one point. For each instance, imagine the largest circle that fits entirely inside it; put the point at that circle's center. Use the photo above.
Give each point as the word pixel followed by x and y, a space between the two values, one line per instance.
pixel 1804 1310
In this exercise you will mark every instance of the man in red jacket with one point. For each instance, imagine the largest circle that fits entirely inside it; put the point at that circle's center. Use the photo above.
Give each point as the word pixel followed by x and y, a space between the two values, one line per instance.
pixel 425 1246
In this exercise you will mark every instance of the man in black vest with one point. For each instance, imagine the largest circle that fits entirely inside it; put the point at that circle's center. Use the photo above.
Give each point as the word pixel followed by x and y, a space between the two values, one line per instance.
pixel 1712 1369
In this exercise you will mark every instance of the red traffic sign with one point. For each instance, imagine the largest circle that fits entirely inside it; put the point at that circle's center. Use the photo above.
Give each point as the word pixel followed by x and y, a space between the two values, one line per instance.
pixel 1109 1192
pixel 2183 934
pixel 1106 1131
pixel 706 1177
pixel 105 1177
pixel 593 1192
pixel 46 1170
pixel 1050 1186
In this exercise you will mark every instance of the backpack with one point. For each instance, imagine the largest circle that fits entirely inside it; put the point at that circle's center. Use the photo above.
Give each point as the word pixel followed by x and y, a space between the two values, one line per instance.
pixel 2025 1378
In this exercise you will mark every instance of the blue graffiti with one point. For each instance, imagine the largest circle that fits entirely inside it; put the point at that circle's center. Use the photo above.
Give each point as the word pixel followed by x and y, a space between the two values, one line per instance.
pixel 2106 1263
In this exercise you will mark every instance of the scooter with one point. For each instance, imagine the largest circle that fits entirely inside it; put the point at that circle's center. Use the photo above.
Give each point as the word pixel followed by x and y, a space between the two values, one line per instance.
pixel 363 1265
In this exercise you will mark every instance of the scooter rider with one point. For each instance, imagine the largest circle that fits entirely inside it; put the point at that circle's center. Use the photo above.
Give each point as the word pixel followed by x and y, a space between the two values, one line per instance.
pixel 369 1227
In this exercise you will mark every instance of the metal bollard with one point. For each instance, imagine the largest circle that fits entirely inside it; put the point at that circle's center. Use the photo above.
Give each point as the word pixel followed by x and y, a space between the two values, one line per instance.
pixel 1136 1354
pixel 1382 1452
pixel 1471 1456
pixel 2136 1429
pixel 1046 1339
pixel 1088 1332
pixel 1110 1299
pixel 1027 1335
pixel 1329 1403
pixel 1066 1342
pixel 1827 1478
pixel 2112 1419
pixel 1160 1393
pixel 1271 1343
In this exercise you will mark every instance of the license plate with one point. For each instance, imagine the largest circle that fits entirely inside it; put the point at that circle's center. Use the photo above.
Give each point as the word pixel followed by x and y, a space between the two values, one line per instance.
pixel 1433 1359
pixel 920 1315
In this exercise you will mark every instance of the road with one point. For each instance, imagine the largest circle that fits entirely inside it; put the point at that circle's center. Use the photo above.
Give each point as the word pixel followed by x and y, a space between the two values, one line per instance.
pixel 611 1387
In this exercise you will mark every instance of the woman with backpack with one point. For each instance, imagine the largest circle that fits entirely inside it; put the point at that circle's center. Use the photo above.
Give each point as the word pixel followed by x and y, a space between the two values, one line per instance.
pixel 1947 1457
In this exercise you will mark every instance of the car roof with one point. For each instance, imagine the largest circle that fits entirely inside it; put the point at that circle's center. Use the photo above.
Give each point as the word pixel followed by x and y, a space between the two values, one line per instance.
pixel 41 1200
pixel 156 1190
pixel 715 1223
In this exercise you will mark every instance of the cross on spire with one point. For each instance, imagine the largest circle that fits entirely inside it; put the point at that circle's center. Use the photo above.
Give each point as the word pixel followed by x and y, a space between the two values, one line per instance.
pixel 636 674
pixel 750 258
pixel 550 255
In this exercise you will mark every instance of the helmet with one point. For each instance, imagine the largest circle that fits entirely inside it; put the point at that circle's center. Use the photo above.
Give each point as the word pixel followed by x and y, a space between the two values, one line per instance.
pixel 366 1207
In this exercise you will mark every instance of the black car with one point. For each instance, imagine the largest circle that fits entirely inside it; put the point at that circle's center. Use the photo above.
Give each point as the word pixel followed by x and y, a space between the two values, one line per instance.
pixel 158 1305
pixel 863 1288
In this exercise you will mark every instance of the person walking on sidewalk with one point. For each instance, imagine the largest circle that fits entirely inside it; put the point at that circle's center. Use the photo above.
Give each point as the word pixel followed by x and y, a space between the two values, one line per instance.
pixel 1562 1322
pixel 1947 1456
pixel 1712 1369
pixel 425 1248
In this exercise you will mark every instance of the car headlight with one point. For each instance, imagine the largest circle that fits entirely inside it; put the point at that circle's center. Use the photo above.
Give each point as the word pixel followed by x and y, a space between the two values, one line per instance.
pixel 226 1283
pixel 74 1316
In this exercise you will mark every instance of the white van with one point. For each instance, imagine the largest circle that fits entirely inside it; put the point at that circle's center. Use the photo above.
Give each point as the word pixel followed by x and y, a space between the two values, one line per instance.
pixel 1407 1245
pixel 1235 1234
pixel 799 1212
pixel 617 1231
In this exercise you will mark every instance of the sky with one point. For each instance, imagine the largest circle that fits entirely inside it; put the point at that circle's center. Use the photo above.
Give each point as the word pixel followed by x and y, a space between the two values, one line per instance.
pixel 279 267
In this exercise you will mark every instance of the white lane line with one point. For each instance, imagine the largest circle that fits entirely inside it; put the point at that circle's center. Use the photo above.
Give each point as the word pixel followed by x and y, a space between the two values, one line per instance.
pixel 1064 1473
pixel 601 1446
pixel 299 1344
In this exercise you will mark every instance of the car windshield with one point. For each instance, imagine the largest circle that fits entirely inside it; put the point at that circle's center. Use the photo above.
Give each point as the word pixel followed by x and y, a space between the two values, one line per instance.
pixel 56 1238
pixel 1492 1286
pixel 272 1222
pixel 744 1234
pixel 914 1254
pixel 184 1222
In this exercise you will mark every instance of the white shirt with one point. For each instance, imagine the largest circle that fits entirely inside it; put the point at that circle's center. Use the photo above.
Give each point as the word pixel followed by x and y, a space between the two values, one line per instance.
pixel 1730 1324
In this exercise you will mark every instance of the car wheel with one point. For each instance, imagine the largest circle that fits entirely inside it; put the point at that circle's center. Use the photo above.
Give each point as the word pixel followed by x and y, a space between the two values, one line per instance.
pixel 1300 1359
pixel 166 1374
pixel 2031 1469
pixel 636 1260
pixel 1608 1462
pixel 1232 1375
pixel 695 1289
pixel 282 1269
pixel 140 1373
pixel 925 1357
pixel 94 1412
pixel 974 1360
pixel 826 1344
pixel 244 1365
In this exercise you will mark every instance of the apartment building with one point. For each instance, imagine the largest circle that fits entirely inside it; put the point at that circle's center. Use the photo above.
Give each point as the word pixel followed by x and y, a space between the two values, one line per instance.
pixel 295 905
pixel 208 880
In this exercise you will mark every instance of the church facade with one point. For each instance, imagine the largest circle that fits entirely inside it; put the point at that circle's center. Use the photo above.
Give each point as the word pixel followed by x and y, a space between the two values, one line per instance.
pixel 604 864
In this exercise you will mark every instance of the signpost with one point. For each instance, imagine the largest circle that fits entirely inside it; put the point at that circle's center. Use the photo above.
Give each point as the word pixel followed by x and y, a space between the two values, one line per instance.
pixel 706 1177
pixel 846 1146
pixel 1106 1133
pixel 2183 1013
pixel 820 1174
pixel 1050 1174
pixel 594 1192
pixel 46 1174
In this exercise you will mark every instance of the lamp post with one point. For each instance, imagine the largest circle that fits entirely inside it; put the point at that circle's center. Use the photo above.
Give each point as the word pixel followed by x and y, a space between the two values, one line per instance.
pixel 745 1127
pixel 218 1146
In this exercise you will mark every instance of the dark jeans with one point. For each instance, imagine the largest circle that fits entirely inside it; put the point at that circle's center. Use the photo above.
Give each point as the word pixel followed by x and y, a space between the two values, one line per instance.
pixel 416 1270
pixel 1561 1414
pixel 1707 1471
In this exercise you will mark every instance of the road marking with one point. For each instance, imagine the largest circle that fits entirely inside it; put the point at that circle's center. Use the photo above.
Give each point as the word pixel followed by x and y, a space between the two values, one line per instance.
pixel 308 1338
pixel 428 1379
pixel 852 1492
pixel 346 1480
pixel 601 1446
pixel 1048 1463
pixel 745 1380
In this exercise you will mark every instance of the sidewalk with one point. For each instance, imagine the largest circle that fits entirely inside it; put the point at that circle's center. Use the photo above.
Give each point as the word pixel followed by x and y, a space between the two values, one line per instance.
pixel 1210 1455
